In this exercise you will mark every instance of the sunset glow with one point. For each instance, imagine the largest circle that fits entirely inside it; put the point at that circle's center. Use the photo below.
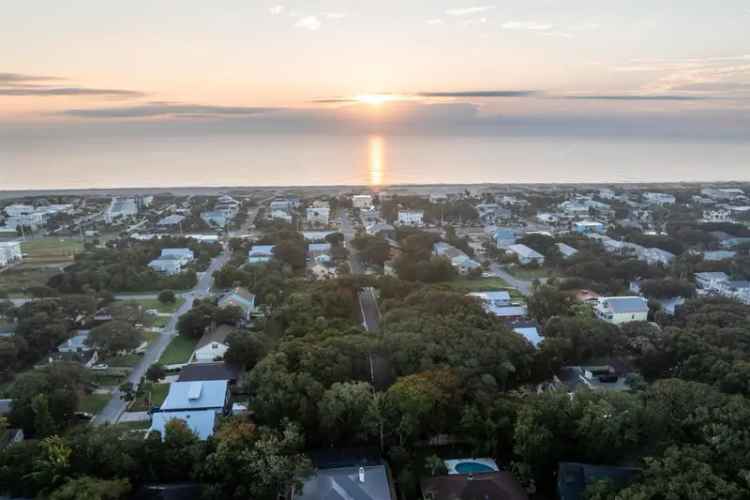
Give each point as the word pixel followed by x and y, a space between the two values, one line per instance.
pixel 376 163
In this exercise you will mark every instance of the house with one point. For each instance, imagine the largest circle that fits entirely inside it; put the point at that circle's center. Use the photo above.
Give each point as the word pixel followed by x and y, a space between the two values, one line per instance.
pixel 723 193
pixel 491 212
pixel 196 403
pixel 588 227
pixel 199 395
pixel 492 485
pixel 260 254
pixel 171 220
pixel 10 252
pixel 526 255
pixel 462 262
pixel 281 215
pixel 239 297
pixel 654 256
pixel 660 199
pixel 592 378
pixel 547 218
pixel 504 237
pixel 380 228
pixel 172 260
pixel 196 372
pixel 499 304
pixel 566 250
pixel 410 217
pixel 216 218
pixel 318 215
pixel 212 345
pixel 366 482
pixel 120 207
pixel 319 252
pixel 362 201
pixel 280 205
pixel 718 255
pixel 317 235
pixel 711 281
pixel 574 478
pixel 76 343
pixel 529 331
pixel 717 215
pixel 619 310
pixel 438 197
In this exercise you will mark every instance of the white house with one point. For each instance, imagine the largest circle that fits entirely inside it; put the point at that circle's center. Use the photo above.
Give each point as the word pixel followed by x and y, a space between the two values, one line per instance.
pixel 717 215
pixel 659 198
pixel 589 227
pixel 504 237
pixel 214 218
pixel 197 403
pixel 281 215
pixel 172 260
pixel 212 345
pixel 462 262
pixel 410 217
pixel 260 254
pixel 362 201
pixel 525 254
pixel 120 207
pixel 318 215
pixel 10 252
pixel 619 310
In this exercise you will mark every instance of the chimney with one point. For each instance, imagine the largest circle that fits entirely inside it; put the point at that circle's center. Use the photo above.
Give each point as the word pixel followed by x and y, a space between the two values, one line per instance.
pixel 361 474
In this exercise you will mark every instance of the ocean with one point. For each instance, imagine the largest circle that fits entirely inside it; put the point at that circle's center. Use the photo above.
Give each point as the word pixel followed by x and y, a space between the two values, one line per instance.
pixel 309 159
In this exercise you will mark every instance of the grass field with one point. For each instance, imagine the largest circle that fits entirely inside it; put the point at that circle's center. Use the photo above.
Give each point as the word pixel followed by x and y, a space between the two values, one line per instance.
pixel 158 395
pixel 178 351
pixel 128 360
pixel 93 403
pixel 528 274
pixel 50 250
pixel 155 304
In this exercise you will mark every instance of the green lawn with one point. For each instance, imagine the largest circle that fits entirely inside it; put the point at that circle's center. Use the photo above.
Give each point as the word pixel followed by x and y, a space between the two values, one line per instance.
pixel 155 304
pixel 178 351
pixel 47 250
pixel 108 379
pixel 93 403
pixel 158 395
pixel 528 274
pixel 128 360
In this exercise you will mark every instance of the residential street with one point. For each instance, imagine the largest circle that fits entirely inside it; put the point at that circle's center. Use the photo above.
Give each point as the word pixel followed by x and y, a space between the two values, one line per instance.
pixel 116 406
pixel 523 287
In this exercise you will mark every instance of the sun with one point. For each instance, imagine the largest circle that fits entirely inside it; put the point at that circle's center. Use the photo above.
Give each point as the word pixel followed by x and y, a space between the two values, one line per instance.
pixel 375 99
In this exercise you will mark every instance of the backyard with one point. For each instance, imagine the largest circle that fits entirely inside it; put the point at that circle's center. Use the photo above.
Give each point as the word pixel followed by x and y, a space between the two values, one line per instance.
pixel 484 285
pixel 158 393
pixel 93 403
pixel 158 306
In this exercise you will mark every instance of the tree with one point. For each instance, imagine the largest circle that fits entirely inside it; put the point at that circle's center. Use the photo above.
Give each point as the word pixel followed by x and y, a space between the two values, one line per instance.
pixel 167 297
pixel 44 425
pixel 255 463
pixel 547 301
pixel 343 411
pixel 91 488
pixel 52 466
pixel 156 372
pixel 291 252
pixel 115 336
pixel 245 349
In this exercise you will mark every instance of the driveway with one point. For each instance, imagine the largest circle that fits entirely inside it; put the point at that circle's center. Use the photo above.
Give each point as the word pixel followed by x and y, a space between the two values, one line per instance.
pixel 116 406
pixel 523 286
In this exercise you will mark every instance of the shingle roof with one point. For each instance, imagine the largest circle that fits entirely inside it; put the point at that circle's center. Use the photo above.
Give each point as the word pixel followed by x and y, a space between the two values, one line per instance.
pixel 208 371
pixel 345 484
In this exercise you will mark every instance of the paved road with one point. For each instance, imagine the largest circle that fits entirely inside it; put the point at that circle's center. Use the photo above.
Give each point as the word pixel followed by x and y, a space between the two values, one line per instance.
pixel 368 305
pixel 347 229
pixel 116 406
pixel 523 287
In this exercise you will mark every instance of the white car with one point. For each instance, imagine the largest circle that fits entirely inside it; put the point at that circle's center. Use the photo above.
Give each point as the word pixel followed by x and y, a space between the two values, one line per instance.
pixel 101 366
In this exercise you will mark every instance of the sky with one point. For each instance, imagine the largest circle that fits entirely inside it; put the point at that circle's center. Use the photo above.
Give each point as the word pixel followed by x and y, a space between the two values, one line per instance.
pixel 656 69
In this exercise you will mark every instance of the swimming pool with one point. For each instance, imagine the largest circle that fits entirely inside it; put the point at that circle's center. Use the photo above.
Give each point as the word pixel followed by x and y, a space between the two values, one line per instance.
pixel 472 468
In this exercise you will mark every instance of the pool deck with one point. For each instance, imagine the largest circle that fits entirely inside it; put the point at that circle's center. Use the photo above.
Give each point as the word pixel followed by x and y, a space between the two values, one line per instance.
pixel 486 462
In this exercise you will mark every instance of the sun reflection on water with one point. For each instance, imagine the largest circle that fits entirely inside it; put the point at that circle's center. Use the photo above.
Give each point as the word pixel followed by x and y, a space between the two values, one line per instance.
pixel 376 163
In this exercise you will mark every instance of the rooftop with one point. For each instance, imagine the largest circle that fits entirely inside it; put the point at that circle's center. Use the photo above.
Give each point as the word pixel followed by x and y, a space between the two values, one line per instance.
pixel 200 422
pixel 348 483
pixel 199 395
pixel 498 485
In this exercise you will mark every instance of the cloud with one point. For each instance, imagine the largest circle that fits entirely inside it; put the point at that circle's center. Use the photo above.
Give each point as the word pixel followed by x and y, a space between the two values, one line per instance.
pixel 479 93
pixel 166 109
pixel 36 90
pixel 335 15
pixel 276 10
pixel 17 78
pixel 434 21
pixel 311 23
pixel 636 97
pixel 465 11
pixel 525 26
